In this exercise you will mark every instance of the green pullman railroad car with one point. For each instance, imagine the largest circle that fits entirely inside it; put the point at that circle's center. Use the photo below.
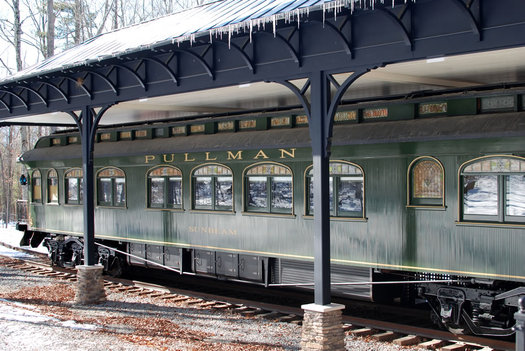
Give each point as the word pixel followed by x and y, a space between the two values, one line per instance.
pixel 422 191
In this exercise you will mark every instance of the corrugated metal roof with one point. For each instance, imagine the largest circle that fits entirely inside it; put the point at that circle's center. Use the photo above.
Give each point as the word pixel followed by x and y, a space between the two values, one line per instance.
pixel 213 19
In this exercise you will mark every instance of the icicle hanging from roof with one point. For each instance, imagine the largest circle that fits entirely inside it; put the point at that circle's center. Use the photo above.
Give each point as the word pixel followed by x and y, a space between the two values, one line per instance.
pixel 251 24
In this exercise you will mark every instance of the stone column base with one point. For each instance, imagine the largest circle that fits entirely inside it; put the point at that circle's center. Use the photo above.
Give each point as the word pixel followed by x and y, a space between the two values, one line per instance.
pixel 90 285
pixel 323 328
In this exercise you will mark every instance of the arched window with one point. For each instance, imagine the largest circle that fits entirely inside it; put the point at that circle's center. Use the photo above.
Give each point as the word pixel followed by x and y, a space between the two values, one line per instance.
pixel 52 186
pixel 36 186
pixel 493 189
pixel 346 190
pixel 269 189
pixel 212 188
pixel 165 187
pixel 74 186
pixel 111 187
pixel 426 182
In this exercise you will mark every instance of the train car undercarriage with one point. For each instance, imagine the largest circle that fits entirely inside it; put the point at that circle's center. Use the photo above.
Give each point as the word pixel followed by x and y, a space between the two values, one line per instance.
pixel 474 306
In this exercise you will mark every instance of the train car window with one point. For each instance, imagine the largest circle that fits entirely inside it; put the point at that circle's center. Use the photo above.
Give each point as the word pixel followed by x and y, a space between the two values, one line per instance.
pixel 493 189
pixel 111 187
pixel 52 186
pixel 212 188
pixel 269 189
pixel 426 183
pixel 165 188
pixel 36 187
pixel 74 186
pixel 346 190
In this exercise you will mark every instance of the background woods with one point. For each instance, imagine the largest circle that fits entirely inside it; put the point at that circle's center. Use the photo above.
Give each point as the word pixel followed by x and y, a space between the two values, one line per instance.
pixel 32 30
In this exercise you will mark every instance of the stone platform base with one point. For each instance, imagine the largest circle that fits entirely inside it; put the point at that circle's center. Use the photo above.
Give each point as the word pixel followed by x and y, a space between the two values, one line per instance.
pixel 322 328
pixel 90 285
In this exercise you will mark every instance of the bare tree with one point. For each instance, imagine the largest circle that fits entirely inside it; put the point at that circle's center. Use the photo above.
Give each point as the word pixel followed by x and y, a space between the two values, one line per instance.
pixel 7 161
pixel 50 35
pixel 11 32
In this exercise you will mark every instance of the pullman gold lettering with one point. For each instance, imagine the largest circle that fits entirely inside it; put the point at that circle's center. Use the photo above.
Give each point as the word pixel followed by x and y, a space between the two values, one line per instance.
pixel 290 153
pixel 166 160
pixel 260 154
pixel 208 157
pixel 149 158
pixel 237 156
pixel 214 156
pixel 187 159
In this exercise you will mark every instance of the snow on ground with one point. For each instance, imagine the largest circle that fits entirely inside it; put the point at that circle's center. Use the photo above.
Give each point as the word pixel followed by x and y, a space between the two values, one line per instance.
pixel 12 237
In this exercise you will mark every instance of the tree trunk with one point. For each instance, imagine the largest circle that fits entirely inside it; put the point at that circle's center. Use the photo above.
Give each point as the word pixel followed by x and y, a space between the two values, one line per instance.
pixel 7 184
pixel 50 34
pixel 17 34
pixel 78 21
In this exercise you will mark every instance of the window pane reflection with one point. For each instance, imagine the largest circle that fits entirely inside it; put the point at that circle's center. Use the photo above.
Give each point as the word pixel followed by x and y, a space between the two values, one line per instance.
pixel 515 195
pixel 120 191
pixel 175 191
pixel 257 192
pixel 105 191
pixel 157 191
pixel 282 194
pixel 72 189
pixel 223 192
pixel 203 191
pixel 350 195
pixel 480 194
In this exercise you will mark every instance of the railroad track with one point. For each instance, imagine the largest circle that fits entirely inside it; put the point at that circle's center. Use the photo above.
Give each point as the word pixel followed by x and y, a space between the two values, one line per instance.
pixel 373 329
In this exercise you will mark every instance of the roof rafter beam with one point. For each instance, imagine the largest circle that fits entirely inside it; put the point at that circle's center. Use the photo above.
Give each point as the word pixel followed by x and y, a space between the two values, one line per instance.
pixel 34 92
pixel 16 96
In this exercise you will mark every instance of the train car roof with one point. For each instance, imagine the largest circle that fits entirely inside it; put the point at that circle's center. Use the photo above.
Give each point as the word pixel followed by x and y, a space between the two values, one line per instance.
pixel 427 129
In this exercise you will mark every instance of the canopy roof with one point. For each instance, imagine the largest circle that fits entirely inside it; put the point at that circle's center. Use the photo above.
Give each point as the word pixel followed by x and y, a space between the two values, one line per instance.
pixel 231 56
pixel 216 19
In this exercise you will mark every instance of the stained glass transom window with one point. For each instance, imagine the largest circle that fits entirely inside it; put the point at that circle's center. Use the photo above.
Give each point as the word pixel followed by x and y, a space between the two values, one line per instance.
pixel 426 182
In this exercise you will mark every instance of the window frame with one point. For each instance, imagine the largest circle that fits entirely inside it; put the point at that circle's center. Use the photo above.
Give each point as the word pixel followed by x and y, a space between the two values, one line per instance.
pixel 80 186
pixel 35 200
pixel 165 190
pixel 501 218
pixel 113 180
pixel 334 214
pixel 213 207
pixel 48 197
pixel 424 202
pixel 269 209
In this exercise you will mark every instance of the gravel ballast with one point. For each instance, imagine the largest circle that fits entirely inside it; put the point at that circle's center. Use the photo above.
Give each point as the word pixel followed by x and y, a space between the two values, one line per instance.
pixel 38 313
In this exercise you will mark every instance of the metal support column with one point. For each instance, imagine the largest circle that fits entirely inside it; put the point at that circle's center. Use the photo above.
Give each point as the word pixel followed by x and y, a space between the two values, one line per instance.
pixel 320 138
pixel 321 110
pixel 88 140
pixel 87 124
pixel 520 325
